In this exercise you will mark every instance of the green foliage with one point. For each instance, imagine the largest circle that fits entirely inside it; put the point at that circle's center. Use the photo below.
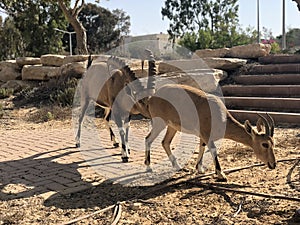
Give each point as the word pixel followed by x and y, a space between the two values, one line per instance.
pixel 297 52
pixel 11 40
pixel 104 28
pixel 49 113
pixel 54 92
pixel 6 92
pixel 217 17
pixel 123 21
pixel 292 40
pixel 101 27
pixel 35 21
pixel 63 96
pixel 275 48
pixel 205 39
pixel 206 23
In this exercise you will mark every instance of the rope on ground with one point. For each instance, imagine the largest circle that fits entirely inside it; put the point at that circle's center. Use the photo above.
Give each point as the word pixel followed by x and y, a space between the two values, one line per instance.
pixel 187 179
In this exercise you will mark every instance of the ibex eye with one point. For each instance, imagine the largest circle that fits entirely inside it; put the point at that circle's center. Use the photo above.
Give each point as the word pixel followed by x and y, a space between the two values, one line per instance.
pixel 265 145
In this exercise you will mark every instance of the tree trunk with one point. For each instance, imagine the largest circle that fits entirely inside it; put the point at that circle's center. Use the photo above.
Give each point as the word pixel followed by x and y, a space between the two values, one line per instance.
pixel 72 17
pixel 81 39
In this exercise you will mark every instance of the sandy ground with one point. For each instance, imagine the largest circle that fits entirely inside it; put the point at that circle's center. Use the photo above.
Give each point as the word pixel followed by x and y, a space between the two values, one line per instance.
pixel 253 195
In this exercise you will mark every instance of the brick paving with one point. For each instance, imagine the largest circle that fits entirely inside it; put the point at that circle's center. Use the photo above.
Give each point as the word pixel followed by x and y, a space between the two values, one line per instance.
pixel 45 161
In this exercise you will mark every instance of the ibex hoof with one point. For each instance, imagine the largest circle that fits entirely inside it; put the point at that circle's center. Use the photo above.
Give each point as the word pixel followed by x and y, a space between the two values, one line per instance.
pixel 176 166
pixel 147 163
pixel 149 169
pixel 200 169
pixel 77 145
pixel 116 145
pixel 221 177
pixel 124 159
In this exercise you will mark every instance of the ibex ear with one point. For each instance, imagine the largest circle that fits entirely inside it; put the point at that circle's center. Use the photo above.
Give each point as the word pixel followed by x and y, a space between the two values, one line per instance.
pixel 260 125
pixel 248 127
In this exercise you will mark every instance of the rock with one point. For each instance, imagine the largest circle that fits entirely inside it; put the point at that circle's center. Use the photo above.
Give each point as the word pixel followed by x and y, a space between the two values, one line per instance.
pixel 203 53
pixel 224 63
pixel 181 65
pixel 39 72
pixel 52 60
pixel 22 61
pixel 204 79
pixel 75 58
pixel 250 51
pixel 100 58
pixel 75 69
pixel 9 70
pixel 16 85
pixel 276 59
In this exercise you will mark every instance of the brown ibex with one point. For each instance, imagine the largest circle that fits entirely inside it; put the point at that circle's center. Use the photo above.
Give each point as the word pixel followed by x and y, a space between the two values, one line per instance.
pixel 190 110
pixel 116 91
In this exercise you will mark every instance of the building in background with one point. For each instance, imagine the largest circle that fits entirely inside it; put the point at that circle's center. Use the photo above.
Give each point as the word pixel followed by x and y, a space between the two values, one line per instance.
pixel 159 44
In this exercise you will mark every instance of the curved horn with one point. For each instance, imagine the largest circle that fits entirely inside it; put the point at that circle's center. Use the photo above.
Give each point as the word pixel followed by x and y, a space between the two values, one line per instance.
pixel 90 61
pixel 151 68
pixel 272 124
pixel 120 64
pixel 266 123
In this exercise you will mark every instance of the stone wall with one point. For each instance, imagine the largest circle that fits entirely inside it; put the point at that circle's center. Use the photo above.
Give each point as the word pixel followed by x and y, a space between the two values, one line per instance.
pixel 18 73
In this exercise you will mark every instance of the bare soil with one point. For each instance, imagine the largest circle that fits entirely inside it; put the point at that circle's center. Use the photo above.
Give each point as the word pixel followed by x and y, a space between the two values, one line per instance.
pixel 254 195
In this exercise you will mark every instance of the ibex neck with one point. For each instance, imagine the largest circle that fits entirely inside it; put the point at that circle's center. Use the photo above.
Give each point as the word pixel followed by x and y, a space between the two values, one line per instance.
pixel 236 132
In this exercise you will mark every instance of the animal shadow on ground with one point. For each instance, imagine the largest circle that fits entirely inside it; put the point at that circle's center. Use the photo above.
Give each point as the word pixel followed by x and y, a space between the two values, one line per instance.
pixel 44 172
pixel 39 174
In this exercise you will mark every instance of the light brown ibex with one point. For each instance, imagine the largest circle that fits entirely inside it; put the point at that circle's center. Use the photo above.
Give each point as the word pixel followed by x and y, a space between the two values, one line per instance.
pixel 113 86
pixel 190 110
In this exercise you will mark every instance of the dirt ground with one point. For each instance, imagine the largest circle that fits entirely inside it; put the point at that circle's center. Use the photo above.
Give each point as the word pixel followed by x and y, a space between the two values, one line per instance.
pixel 253 195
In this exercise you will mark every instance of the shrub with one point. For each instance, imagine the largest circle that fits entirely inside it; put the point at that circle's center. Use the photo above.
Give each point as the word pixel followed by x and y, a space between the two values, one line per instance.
pixel 6 92
pixel 48 113
pixel 64 95
pixel 275 48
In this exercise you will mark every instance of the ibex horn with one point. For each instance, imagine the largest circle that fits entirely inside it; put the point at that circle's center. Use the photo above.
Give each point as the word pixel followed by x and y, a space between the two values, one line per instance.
pixel 272 124
pixel 266 123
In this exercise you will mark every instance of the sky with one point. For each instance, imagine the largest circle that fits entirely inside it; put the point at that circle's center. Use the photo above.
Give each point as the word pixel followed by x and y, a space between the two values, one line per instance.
pixel 146 18
pixel 146 15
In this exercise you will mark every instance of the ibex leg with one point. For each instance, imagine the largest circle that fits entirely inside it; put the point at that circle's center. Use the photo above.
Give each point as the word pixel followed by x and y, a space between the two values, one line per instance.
pixel 213 150
pixel 166 142
pixel 157 126
pixel 112 135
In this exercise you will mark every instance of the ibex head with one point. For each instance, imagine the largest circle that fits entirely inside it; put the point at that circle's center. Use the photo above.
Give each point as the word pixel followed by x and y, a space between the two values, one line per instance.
pixel 263 142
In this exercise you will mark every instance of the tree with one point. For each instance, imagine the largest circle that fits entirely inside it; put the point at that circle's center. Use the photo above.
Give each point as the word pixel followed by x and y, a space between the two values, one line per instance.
pixel 71 15
pixel 12 45
pixel 100 24
pixel 292 38
pixel 103 27
pixel 214 21
pixel 298 3
pixel 36 20
pixel 123 21
pixel 204 39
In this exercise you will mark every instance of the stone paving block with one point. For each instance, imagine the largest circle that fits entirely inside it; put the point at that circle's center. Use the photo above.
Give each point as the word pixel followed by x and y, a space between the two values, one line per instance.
pixel 48 161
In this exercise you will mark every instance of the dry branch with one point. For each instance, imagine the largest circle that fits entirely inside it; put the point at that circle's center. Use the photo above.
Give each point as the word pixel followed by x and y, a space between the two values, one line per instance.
pixel 216 187
pixel 187 179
